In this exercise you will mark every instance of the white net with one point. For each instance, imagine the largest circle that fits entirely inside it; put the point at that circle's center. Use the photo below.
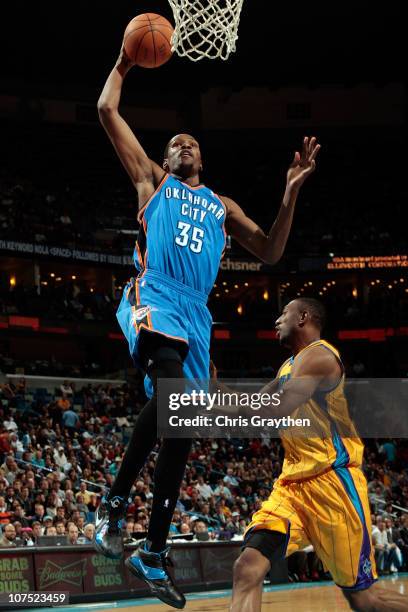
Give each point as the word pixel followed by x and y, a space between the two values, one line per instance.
pixel 205 28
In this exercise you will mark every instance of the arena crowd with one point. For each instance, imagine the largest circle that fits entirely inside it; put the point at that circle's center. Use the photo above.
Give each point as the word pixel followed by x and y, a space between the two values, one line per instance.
pixel 60 453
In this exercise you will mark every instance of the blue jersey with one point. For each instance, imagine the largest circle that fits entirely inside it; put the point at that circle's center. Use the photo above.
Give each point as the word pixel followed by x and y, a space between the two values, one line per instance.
pixel 182 233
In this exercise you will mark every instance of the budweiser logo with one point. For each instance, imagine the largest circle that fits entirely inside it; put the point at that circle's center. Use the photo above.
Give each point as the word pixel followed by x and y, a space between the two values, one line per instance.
pixel 70 574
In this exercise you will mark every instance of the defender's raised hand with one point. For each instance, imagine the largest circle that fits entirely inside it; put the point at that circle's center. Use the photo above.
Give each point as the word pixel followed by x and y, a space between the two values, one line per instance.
pixel 303 164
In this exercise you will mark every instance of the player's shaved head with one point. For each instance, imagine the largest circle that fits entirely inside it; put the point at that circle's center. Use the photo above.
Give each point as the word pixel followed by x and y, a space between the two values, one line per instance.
pixel 316 310
pixel 301 319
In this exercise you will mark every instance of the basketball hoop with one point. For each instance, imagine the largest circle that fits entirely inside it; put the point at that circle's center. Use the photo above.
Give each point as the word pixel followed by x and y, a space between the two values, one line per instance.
pixel 205 28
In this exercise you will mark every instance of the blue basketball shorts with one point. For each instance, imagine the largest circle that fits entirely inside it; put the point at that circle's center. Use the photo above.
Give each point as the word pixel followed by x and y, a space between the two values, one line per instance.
pixel 159 304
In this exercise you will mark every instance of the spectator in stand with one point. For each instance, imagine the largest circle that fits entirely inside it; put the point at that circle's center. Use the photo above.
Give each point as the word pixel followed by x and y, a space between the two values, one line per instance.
pixel 5 514
pixel 389 449
pixel 86 495
pixel 185 528
pixel 203 488
pixel 200 530
pixel 47 522
pixel 59 457
pixel 39 513
pixel 60 527
pixel 403 540
pixel 19 515
pixel 222 489
pixel 230 479
pixel 8 537
pixel 73 534
pixel 380 541
pixel 393 536
pixel 37 530
pixel 38 459
pixel 66 389
pixel 70 419
pixel 9 424
pixel 88 534
pixel 4 442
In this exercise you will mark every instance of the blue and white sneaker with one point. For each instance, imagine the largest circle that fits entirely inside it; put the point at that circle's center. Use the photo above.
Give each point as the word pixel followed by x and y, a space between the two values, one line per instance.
pixel 152 569
pixel 108 527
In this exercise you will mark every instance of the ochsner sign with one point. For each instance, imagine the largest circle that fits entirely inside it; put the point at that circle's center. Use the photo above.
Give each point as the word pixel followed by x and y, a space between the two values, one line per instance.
pixel 241 265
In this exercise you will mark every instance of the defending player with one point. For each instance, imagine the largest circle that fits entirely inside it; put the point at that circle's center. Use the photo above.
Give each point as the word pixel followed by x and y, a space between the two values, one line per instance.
pixel 321 495
pixel 163 312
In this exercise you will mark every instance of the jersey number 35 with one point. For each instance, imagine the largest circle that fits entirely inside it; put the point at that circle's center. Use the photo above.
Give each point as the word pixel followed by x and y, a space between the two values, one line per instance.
pixel 192 239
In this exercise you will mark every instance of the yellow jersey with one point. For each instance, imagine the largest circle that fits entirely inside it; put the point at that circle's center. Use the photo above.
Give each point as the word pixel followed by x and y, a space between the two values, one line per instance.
pixel 336 444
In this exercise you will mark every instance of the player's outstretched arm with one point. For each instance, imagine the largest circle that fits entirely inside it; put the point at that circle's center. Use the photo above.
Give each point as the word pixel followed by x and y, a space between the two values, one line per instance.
pixel 269 248
pixel 144 173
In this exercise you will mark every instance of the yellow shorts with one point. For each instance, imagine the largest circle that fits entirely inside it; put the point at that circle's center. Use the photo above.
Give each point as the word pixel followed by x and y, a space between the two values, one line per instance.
pixel 330 511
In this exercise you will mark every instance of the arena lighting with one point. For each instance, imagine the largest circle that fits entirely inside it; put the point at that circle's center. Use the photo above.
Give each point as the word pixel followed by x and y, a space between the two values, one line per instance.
pixel 266 334
pixel 226 290
pixel 217 295
pixel 52 274
pixel 402 280
pixel 266 295
pixel 12 281
pixel 310 283
pixel 354 293
pixel 73 277
pixel 222 334
pixel 246 284
pixel 240 310
pixel 224 283
pixel 389 286
pixel 236 286
pixel 58 278
pixel 17 321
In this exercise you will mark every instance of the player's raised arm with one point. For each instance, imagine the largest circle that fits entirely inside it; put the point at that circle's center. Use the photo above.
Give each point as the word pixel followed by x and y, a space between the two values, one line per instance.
pixel 145 173
pixel 269 248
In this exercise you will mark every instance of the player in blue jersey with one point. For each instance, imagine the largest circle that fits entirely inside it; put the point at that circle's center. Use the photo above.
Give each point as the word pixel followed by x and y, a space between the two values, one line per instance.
pixel 163 312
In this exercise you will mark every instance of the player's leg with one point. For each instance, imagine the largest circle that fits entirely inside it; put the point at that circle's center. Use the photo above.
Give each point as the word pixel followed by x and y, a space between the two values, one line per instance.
pixel 168 475
pixel 262 548
pixel 375 599
pixel 149 561
pixel 166 362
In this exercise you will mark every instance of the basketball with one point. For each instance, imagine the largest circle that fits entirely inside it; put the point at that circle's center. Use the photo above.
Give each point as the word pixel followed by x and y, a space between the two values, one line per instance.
pixel 147 40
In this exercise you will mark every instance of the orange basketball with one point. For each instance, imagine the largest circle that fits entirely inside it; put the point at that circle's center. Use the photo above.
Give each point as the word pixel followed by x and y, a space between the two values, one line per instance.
pixel 147 40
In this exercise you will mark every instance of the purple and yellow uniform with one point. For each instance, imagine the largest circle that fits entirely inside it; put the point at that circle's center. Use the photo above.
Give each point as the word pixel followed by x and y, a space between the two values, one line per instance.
pixel 321 495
